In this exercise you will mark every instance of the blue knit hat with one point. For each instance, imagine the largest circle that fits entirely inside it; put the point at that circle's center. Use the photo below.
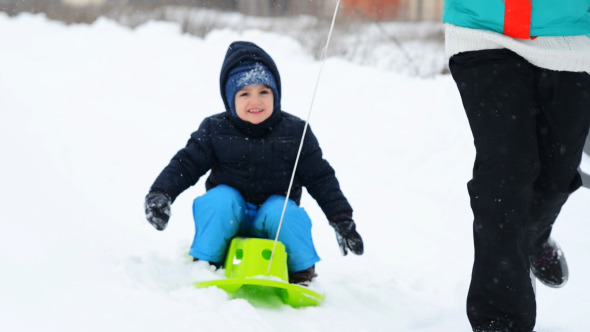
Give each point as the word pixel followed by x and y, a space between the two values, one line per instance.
pixel 248 74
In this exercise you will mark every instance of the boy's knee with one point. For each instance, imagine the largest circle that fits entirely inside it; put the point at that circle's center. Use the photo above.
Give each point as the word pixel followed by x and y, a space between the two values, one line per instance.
pixel 274 200
pixel 273 207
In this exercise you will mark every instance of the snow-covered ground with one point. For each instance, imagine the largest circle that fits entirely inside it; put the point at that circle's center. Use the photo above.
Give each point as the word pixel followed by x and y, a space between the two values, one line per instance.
pixel 89 115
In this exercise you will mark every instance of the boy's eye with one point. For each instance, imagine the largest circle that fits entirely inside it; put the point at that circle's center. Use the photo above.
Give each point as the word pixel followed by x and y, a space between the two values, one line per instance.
pixel 264 92
pixel 242 94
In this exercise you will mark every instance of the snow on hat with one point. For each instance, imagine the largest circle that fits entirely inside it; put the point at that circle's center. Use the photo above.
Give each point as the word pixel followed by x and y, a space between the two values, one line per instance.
pixel 248 74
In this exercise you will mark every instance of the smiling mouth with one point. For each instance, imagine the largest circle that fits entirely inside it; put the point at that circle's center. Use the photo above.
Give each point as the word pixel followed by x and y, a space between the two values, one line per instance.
pixel 255 111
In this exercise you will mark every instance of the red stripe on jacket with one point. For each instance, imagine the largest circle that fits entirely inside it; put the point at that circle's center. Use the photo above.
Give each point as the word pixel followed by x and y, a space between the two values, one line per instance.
pixel 517 18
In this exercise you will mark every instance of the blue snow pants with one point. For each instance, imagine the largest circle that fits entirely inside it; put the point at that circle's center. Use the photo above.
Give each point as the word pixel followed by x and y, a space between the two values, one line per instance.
pixel 222 214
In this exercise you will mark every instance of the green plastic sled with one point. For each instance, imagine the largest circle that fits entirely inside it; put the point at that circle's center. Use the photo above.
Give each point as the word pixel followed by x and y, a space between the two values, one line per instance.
pixel 247 269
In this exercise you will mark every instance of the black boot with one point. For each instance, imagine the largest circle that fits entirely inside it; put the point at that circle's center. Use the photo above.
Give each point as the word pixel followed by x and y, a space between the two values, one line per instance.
pixel 304 277
pixel 549 265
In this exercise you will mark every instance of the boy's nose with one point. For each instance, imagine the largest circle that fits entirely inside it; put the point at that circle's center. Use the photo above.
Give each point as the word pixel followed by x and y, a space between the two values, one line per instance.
pixel 257 100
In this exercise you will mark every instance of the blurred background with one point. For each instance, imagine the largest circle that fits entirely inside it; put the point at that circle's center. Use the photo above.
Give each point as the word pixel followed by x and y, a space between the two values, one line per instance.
pixel 388 34
pixel 86 11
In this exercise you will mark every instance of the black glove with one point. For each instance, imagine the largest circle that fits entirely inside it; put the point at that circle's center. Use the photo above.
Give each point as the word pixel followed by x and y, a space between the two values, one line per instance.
pixel 157 209
pixel 347 236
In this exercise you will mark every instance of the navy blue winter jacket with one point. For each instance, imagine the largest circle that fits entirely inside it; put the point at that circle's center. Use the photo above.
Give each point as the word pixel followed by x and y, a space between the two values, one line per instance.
pixel 257 160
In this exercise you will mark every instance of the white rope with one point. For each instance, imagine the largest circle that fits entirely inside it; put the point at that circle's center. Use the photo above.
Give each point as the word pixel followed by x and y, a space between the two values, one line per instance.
pixel 323 62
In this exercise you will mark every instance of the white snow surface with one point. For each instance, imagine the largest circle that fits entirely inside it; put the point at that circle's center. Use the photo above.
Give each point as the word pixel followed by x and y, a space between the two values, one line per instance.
pixel 90 114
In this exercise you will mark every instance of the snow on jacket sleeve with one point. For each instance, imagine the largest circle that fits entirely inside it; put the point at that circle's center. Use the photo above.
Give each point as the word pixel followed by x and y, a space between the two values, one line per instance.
pixel 319 178
pixel 188 165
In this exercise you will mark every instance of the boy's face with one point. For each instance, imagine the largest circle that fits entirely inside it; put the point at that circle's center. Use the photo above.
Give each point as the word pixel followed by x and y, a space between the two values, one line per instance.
pixel 254 103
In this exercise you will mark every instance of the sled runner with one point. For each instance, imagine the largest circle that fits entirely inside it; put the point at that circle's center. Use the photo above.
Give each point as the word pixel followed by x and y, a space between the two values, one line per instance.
pixel 246 269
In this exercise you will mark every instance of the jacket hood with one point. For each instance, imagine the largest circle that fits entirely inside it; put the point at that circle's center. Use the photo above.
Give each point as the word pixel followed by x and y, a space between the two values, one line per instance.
pixel 238 54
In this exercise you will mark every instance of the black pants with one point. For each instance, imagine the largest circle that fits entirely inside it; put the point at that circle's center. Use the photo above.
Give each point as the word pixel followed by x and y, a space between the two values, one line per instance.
pixel 529 127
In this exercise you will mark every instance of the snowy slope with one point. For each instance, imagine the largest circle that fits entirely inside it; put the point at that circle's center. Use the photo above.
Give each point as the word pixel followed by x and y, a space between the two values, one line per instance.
pixel 89 115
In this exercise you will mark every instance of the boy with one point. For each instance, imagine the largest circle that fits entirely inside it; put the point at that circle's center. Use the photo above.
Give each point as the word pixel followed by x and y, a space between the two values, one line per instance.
pixel 251 150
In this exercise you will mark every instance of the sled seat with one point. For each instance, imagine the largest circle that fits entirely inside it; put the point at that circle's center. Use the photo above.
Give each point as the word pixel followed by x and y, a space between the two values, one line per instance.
pixel 250 257
pixel 248 274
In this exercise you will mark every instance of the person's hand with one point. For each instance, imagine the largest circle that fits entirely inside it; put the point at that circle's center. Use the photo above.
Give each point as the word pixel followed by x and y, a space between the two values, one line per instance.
pixel 157 209
pixel 347 236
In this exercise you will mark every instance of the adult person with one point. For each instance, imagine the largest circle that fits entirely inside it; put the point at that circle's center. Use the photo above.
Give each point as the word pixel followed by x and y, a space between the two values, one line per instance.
pixel 521 67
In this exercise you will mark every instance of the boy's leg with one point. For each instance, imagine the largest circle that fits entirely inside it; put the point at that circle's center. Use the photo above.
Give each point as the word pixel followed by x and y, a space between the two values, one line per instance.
pixel 218 215
pixel 295 231
pixel 497 90
pixel 563 126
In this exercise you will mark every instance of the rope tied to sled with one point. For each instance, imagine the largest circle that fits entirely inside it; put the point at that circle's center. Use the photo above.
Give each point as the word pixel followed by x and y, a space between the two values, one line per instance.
pixel 323 58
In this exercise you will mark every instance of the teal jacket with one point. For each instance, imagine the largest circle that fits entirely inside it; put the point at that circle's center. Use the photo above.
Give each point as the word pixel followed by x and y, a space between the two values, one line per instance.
pixel 548 17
